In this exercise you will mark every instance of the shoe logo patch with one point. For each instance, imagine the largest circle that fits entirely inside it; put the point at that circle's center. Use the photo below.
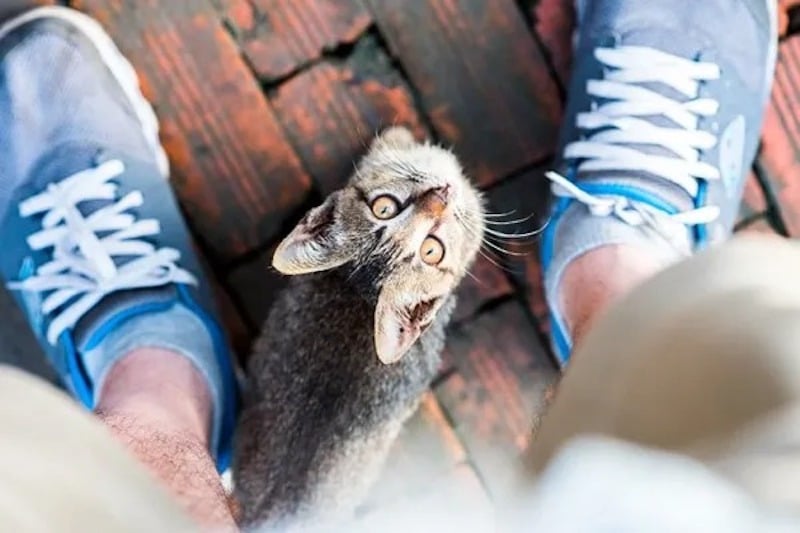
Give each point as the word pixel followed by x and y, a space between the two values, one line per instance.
pixel 32 300
pixel 731 154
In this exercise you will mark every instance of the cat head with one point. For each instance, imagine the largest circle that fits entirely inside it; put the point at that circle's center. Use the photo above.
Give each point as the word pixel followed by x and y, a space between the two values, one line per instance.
pixel 408 222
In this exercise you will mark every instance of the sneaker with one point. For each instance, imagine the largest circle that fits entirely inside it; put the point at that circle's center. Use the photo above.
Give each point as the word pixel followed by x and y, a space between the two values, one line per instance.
pixel 665 109
pixel 93 239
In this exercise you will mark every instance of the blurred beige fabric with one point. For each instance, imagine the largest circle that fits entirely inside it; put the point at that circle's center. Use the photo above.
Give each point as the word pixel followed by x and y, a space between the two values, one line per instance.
pixel 62 472
pixel 703 360
pixel 692 381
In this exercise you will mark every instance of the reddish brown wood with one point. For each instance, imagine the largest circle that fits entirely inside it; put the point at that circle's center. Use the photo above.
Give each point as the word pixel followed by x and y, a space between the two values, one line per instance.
pixel 481 77
pixel 332 111
pixel 234 172
pixel 494 397
pixel 280 36
pixel 255 285
pixel 487 281
pixel 9 8
pixel 239 332
pixel 783 12
pixel 753 202
pixel 524 197
pixel 554 22
pixel 780 154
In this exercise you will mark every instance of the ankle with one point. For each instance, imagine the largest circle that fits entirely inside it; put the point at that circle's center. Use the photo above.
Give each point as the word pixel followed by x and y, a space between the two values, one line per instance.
pixel 159 388
pixel 598 278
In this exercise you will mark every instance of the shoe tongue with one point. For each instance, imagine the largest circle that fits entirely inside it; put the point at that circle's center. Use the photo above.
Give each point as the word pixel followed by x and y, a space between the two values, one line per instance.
pixel 663 39
pixel 119 306
pixel 58 164
pixel 62 162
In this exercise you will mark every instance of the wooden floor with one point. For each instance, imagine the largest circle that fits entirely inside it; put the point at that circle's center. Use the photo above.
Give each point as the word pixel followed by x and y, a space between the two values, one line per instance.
pixel 266 103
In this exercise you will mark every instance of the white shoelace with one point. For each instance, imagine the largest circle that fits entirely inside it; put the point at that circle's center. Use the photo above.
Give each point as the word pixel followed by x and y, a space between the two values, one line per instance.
pixel 620 127
pixel 82 269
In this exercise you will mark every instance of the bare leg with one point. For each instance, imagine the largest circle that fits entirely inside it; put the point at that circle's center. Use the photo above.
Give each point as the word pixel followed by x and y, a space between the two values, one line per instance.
pixel 598 278
pixel 158 405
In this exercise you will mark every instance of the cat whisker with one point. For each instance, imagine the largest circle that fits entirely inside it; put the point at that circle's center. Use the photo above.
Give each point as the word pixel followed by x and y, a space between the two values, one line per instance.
pixel 477 280
pixel 484 238
pixel 503 250
pixel 499 215
pixel 487 253
pixel 492 261
pixel 513 235
pixel 509 222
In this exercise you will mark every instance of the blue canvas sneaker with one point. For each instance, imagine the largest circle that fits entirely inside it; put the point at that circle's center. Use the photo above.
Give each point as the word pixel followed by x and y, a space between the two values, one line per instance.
pixel 94 246
pixel 665 110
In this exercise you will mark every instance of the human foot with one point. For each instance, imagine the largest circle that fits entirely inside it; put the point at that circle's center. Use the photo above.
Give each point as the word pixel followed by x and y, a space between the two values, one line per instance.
pixel 94 244
pixel 664 115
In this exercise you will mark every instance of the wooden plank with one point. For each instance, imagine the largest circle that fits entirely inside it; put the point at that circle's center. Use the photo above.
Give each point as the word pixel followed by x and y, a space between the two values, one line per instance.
pixel 754 203
pixel 554 23
pixel 780 152
pixel 498 391
pixel 239 331
pixel 481 77
pixel 235 174
pixel 280 36
pixel 487 281
pixel 255 285
pixel 525 198
pixel 783 14
pixel 9 8
pixel 332 111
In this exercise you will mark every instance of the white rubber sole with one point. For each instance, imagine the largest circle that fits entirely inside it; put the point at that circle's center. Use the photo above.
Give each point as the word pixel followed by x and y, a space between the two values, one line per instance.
pixel 117 64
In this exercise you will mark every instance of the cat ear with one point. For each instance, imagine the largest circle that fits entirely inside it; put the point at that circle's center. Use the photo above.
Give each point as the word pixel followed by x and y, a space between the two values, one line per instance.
pixel 399 324
pixel 394 137
pixel 314 244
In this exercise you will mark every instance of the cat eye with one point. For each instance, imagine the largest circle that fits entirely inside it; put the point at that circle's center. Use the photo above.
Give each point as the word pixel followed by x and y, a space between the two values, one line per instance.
pixel 385 207
pixel 432 251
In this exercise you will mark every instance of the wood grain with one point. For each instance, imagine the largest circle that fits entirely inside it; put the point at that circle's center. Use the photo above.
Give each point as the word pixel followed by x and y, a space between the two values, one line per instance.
pixel 498 391
pixel 554 23
pixel 280 36
pixel 481 78
pixel 234 172
pixel 780 152
pixel 332 111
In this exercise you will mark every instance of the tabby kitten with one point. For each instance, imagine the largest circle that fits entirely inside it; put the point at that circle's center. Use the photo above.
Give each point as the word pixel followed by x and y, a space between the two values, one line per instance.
pixel 355 339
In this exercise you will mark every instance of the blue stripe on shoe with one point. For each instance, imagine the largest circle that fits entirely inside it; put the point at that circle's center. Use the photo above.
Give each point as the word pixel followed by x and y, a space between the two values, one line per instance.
pixel 230 388
pixel 701 230
pixel 79 381
pixel 81 386
pixel 560 339
pixel 561 344
pixel 112 323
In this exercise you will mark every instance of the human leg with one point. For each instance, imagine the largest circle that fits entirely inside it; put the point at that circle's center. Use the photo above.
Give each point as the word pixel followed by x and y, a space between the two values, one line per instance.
pixel 701 360
pixel 663 118
pixel 60 471
pixel 100 259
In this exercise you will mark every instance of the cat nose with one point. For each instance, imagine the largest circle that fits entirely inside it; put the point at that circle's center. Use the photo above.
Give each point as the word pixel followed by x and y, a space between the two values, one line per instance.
pixel 434 202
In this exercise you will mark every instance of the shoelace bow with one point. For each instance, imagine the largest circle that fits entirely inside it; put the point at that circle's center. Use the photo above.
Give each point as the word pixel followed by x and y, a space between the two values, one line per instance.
pixel 83 269
pixel 618 128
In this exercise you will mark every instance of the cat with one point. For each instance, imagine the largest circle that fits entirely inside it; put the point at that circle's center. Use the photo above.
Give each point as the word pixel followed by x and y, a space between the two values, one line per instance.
pixel 355 339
